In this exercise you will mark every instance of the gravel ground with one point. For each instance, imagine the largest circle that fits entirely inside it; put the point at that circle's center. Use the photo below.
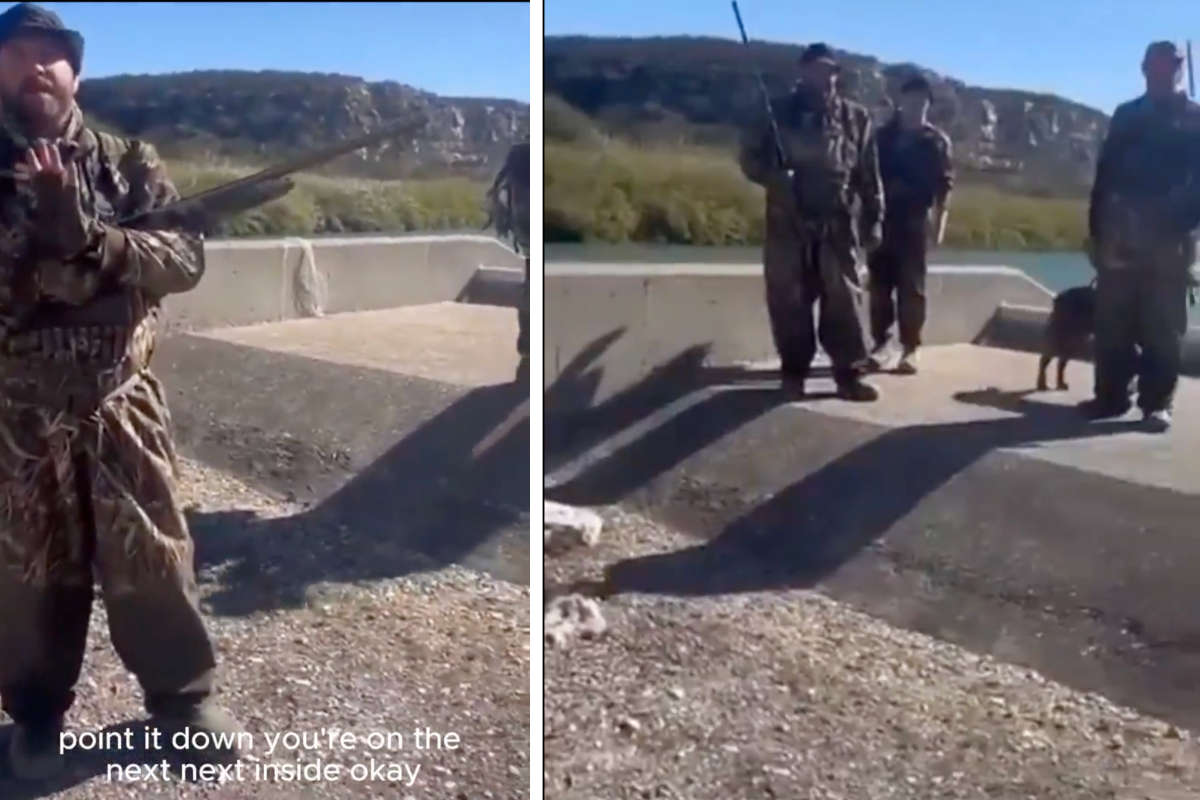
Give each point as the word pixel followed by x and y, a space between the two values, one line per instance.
pixel 443 649
pixel 789 695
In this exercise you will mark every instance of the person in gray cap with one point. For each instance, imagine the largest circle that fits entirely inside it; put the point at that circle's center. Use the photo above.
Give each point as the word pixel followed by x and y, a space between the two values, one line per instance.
pixel 1144 211
pixel 814 237
pixel 88 472
pixel 918 175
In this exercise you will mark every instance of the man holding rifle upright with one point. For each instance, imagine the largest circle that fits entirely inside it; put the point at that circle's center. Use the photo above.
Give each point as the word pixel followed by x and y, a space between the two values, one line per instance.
pixel 824 209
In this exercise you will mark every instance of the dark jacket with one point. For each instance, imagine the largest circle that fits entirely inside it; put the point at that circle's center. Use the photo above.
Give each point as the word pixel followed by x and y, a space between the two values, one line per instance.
pixel 1147 181
pixel 916 169
pixel 829 145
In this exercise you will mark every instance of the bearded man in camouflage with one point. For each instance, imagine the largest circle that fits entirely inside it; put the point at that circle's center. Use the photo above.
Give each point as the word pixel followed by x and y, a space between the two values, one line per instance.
pixel 1145 208
pixel 88 473
pixel 508 209
pixel 814 236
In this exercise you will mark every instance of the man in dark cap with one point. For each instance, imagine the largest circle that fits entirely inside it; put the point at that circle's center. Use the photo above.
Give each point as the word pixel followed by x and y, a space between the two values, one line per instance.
pixel 1145 208
pixel 88 474
pixel 824 206
pixel 914 162
pixel 508 211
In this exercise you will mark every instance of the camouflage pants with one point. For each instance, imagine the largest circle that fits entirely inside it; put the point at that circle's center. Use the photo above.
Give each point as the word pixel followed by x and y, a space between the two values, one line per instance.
pixel 810 273
pixel 897 290
pixel 1141 321
pixel 93 498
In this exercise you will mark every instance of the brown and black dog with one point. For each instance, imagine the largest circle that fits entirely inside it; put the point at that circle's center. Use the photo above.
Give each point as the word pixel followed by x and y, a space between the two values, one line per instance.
pixel 1068 333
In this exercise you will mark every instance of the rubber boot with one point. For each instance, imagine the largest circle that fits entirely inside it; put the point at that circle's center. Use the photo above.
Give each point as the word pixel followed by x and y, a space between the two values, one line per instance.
pixel 1097 409
pixel 856 390
pixel 213 735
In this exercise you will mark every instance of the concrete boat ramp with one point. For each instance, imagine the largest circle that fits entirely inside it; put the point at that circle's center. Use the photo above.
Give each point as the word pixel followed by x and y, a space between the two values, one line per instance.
pixel 962 505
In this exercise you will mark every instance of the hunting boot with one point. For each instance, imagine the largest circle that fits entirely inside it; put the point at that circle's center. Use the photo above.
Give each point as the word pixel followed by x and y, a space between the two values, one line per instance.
pixel 33 750
pixel 855 390
pixel 1097 409
pixel 213 735
pixel 793 380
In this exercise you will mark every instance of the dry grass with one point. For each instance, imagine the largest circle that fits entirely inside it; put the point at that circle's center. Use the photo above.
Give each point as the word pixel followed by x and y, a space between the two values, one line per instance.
pixel 616 192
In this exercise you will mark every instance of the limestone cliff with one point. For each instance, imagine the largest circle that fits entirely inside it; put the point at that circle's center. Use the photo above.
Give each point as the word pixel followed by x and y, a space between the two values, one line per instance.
pixel 700 89
pixel 261 116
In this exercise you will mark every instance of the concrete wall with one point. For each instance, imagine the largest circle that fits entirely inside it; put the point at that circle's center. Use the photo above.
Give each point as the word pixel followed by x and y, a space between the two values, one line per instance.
pixel 249 282
pixel 619 323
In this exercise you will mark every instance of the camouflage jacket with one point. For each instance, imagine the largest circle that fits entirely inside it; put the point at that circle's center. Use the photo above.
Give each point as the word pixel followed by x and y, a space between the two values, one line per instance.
pixel 1145 199
pixel 508 199
pixel 916 170
pixel 830 148
pixel 96 311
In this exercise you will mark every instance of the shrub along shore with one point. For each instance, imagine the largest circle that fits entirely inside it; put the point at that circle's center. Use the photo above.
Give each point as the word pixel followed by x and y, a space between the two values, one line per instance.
pixel 613 192
pixel 324 205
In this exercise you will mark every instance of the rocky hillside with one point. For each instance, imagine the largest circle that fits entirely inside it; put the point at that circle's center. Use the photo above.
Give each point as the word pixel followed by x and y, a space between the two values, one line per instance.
pixel 700 89
pixel 263 116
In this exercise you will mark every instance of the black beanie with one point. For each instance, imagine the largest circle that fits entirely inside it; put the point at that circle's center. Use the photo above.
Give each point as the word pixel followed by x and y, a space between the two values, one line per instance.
pixel 31 18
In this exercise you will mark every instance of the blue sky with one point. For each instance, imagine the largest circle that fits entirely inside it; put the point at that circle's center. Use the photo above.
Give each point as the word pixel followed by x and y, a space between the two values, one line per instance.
pixel 462 49
pixel 1086 50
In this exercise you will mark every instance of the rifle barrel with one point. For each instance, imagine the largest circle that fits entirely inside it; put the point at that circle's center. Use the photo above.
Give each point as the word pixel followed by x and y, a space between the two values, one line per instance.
pixel 314 158
pixel 308 160
pixel 1191 72
pixel 762 89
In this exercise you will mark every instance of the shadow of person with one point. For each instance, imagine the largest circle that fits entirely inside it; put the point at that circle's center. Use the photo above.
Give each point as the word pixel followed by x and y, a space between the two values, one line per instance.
pixel 811 528
pixel 454 491
pixel 677 409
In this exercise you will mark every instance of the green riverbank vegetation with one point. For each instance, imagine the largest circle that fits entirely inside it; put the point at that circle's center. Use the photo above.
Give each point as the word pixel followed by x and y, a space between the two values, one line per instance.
pixel 330 205
pixel 604 190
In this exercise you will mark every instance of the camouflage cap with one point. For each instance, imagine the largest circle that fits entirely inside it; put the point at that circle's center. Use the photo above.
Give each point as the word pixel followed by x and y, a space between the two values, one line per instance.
pixel 818 52
pixel 1165 50
pixel 30 18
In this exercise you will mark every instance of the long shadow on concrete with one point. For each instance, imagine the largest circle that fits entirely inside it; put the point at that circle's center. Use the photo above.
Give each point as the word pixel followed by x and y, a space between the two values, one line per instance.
pixel 429 501
pixel 812 528
pixel 642 420
pixel 1080 576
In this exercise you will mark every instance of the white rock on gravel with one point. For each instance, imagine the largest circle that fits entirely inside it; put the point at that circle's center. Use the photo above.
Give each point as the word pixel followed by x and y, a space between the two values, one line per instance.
pixel 573 616
pixel 567 528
